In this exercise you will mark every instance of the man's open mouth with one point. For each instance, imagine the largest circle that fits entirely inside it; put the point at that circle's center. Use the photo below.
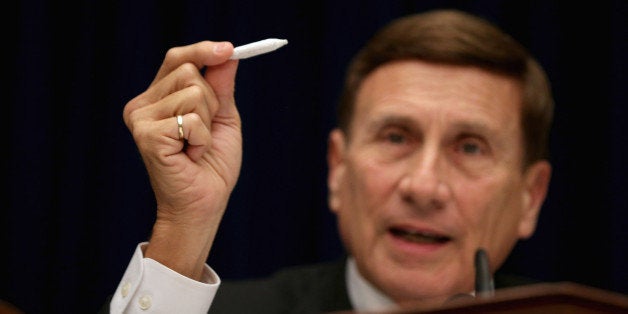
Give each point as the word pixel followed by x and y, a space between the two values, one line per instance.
pixel 418 236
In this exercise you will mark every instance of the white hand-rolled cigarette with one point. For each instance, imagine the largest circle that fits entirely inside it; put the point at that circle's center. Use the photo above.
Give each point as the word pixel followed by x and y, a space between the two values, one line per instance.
pixel 257 48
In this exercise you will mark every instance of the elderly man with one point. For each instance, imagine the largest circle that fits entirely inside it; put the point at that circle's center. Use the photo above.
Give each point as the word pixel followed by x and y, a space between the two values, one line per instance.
pixel 441 149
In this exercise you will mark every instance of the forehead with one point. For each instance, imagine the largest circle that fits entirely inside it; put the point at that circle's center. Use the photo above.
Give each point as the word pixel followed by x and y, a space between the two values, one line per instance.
pixel 466 95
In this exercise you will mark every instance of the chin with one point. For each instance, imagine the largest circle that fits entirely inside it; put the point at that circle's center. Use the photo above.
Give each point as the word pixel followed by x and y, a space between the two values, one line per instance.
pixel 412 288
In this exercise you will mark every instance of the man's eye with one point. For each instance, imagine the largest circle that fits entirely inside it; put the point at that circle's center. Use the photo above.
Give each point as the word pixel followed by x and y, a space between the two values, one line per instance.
pixel 470 148
pixel 395 138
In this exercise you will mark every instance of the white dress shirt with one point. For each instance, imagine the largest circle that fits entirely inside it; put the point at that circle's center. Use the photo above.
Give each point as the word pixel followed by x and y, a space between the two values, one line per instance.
pixel 150 287
pixel 362 294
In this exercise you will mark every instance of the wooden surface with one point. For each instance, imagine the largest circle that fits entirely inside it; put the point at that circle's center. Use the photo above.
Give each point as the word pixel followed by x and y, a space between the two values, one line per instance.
pixel 555 298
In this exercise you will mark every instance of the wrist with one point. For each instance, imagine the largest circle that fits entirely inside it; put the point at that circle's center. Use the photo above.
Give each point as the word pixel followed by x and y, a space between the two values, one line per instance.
pixel 180 247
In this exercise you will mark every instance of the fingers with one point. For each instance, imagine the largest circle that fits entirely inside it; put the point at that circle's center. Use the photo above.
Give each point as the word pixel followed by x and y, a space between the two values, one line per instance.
pixel 195 133
pixel 194 96
pixel 180 88
pixel 219 74
pixel 201 54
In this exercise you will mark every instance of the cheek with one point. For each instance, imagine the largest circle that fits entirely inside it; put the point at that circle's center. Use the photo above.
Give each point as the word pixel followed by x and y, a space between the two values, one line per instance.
pixel 490 214
pixel 366 189
pixel 370 183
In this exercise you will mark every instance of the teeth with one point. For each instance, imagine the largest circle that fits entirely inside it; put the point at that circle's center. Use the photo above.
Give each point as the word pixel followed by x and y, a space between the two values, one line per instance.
pixel 418 237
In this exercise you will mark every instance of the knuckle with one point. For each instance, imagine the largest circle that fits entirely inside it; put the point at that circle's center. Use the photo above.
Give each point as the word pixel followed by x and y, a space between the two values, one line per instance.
pixel 188 70
pixel 129 112
pixel 140 134
pixel 196 93
pixel 130 115
pixel 194 118
pixel 174 53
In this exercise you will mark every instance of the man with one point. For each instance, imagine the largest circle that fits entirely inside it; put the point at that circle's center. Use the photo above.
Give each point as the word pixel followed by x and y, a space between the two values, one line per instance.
pixel 441 149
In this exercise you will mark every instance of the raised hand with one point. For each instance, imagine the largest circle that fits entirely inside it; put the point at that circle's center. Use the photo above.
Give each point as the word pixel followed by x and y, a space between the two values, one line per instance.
pixel 192 177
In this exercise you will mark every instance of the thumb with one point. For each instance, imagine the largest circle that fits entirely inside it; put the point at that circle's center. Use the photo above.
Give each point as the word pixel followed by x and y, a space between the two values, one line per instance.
pixel 222 80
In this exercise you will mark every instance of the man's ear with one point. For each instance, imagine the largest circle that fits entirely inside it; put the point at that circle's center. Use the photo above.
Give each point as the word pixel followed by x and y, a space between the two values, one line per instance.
pixel 536 180
pixel 335 163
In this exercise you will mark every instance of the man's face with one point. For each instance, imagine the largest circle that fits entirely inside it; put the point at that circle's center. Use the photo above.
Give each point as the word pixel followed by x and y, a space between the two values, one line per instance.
pixel 432 171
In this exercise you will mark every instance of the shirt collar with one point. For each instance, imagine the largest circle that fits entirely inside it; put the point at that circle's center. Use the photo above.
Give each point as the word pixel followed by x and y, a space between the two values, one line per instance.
pixel 362 294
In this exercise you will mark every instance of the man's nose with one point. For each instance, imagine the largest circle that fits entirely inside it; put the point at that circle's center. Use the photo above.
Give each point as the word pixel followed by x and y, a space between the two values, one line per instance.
pixel 423 182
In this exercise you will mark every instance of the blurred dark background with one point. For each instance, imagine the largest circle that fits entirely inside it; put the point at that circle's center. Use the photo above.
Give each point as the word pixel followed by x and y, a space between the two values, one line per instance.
pixel 77 196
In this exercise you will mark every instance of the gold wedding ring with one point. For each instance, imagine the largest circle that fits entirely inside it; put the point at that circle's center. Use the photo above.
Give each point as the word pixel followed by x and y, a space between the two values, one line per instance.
pixel 180 126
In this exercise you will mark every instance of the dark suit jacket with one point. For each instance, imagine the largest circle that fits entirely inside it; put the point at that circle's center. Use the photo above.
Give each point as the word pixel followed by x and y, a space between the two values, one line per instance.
pixel 310 289
pixel 316 288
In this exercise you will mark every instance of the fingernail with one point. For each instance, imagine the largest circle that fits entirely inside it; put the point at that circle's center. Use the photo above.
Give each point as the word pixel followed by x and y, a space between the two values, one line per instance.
pixel 220 47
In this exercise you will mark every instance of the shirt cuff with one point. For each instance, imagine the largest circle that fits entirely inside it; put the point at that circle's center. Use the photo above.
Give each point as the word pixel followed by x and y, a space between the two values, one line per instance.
pixel 150 287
